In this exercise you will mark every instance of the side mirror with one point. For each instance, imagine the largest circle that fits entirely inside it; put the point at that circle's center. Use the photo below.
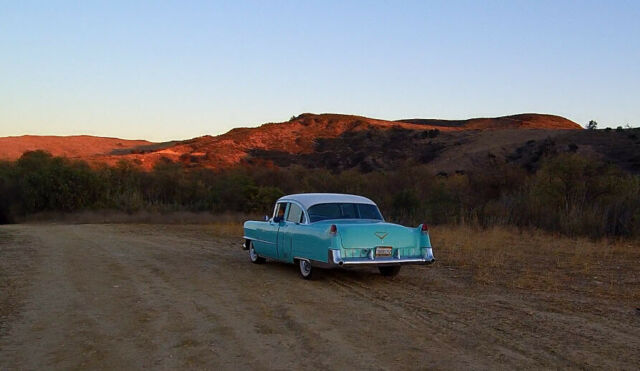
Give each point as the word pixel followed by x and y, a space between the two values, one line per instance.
pixel 266 218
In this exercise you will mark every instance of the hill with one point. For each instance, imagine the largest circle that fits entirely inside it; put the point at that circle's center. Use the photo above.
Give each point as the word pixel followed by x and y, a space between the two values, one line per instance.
pixel 521 121
pixel 301 138
pixel 458 151
pixel 77 146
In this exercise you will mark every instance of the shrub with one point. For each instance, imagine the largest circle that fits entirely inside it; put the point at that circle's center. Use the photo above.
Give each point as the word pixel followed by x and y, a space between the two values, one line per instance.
pixel 570 193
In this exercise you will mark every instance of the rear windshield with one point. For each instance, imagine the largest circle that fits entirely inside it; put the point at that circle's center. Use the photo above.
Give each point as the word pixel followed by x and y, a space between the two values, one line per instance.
pixel 343 211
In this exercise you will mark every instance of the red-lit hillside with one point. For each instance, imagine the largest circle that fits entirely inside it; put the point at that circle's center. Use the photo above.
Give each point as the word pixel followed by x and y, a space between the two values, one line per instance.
pixel 297 136
pixel 77 146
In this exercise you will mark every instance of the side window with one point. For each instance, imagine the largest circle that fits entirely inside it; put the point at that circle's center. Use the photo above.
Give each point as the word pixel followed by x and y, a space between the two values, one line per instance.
pixel 295 214
pixel 279 210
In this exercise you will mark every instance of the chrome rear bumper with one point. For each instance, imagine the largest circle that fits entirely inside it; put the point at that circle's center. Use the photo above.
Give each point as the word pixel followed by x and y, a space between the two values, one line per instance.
pixel 336 259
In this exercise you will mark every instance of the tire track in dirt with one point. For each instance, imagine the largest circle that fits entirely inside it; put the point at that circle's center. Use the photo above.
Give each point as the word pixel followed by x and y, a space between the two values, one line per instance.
pixel 489 321
pixel 225 294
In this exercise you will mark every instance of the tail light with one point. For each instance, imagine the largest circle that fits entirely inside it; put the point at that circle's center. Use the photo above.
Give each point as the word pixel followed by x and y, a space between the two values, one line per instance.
pixel 333 229
pixel 425 228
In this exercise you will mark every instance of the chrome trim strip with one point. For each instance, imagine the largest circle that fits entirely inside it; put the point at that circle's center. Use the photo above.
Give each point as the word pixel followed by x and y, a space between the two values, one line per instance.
pixel 388 261
pixel 335 258
pixel 255 239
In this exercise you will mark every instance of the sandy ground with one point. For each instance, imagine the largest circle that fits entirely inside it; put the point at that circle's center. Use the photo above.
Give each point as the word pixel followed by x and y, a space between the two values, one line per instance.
pixel 168 297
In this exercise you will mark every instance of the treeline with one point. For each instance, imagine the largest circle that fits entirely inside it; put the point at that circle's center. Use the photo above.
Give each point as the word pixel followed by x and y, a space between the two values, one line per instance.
pixel 569 194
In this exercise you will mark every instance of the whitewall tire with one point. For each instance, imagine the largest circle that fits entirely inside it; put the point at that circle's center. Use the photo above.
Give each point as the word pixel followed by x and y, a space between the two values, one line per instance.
pixel 253 255
pixel 306 270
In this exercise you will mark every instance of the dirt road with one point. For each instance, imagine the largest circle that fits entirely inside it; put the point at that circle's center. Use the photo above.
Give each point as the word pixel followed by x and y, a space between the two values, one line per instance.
pixel 131 296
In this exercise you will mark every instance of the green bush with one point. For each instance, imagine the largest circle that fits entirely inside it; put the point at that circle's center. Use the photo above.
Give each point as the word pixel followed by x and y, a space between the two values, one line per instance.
pixel 570 194
pixel 579 196
pixel 54 183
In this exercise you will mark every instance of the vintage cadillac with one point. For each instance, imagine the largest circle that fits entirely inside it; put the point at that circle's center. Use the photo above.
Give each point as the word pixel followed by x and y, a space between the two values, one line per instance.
pixel 328 230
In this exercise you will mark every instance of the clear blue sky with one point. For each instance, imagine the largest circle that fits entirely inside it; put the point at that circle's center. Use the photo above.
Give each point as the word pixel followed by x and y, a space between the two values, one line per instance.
pixel 171 70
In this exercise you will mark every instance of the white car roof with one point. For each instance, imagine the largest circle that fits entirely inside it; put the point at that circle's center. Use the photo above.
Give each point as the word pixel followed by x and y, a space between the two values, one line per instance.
pixel 309 199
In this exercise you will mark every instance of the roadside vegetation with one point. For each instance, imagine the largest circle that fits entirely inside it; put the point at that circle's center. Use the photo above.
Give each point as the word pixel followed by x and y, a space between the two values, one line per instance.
pixel 539 261
pixel 569 194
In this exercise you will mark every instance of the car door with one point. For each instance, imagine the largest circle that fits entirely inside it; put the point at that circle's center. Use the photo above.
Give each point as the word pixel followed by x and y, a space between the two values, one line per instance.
pixel 268 244
pixel 287 231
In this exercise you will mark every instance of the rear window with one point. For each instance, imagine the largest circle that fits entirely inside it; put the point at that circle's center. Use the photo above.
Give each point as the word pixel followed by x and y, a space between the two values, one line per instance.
pixel 343 211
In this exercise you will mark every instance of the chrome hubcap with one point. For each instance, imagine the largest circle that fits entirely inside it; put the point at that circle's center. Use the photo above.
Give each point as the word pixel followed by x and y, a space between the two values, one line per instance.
pixel 252 253
pixel 305 267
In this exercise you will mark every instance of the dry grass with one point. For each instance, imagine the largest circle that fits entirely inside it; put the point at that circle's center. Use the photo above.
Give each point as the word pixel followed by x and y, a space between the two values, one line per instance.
pixel 141 217
pixel 536 260
pixel 227 229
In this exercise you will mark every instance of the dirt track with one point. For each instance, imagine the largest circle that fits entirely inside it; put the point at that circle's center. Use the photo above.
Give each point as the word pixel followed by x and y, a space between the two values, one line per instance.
pixel 128 296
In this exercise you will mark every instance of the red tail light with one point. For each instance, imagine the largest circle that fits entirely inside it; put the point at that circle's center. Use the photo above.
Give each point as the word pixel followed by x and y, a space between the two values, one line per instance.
pixel 334 229
pixel 425 228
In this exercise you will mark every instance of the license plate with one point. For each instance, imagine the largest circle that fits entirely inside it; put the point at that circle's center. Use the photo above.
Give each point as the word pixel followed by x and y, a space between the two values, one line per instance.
pixel 383 251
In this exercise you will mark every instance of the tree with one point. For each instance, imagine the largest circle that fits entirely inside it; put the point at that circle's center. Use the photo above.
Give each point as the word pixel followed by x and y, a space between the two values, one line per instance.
pixel 592 125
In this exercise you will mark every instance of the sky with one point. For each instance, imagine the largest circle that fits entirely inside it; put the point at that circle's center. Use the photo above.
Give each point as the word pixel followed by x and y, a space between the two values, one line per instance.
pixel 162 70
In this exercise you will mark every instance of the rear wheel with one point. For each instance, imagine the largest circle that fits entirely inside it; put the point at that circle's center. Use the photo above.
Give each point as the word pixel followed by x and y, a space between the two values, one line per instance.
pixel 389 271
pixel 306 270
pixel 253 255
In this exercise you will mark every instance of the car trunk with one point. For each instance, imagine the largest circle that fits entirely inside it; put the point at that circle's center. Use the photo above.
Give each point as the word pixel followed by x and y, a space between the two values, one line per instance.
pixel 370 235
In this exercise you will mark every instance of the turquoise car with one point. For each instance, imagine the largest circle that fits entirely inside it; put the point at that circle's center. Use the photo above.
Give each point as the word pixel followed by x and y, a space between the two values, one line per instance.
pixel 328 230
